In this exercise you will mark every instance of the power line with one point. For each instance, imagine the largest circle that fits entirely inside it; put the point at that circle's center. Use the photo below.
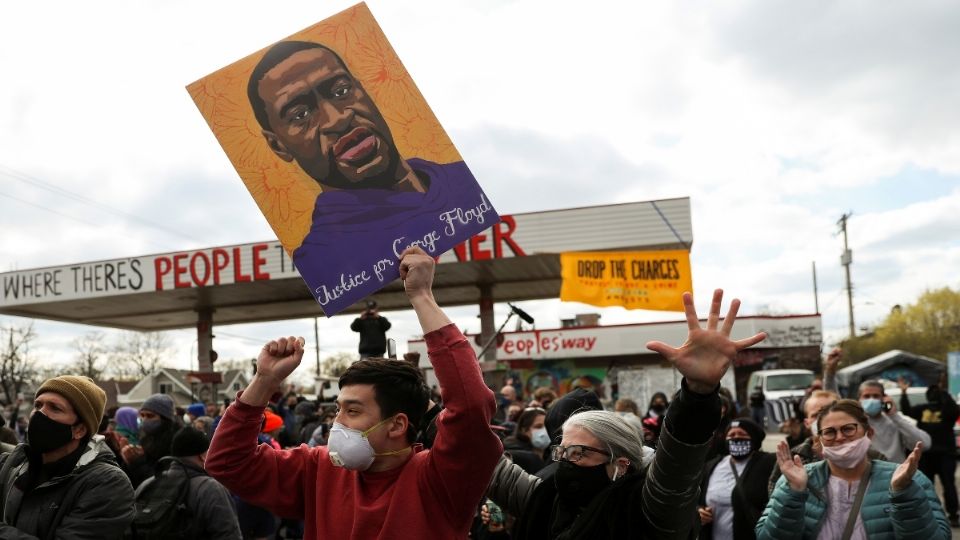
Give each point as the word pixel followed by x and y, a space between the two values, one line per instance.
pixel 74 218
pixel 51 210
pixel 834 299
pixel 260 341
pixel 245 338
pixel 36 182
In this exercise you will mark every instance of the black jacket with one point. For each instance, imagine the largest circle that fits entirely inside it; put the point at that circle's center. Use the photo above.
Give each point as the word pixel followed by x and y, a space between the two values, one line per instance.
pixel 936 418
pixel 749 497
pixel 94 499
pixel 373 334
pixel 524 454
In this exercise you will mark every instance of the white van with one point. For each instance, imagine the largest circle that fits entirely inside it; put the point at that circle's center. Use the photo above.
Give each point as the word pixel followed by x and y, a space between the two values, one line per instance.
pixel 780 383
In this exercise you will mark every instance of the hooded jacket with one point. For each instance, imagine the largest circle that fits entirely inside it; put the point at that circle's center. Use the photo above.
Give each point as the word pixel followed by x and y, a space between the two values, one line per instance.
pixel 93 500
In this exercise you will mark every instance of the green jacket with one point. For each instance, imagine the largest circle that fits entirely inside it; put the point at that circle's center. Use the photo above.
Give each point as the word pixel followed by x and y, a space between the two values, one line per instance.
pixel 911 513
pixel 92 501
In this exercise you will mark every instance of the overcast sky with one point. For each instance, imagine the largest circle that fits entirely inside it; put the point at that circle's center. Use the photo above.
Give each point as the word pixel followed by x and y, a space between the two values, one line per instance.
pixel 775 117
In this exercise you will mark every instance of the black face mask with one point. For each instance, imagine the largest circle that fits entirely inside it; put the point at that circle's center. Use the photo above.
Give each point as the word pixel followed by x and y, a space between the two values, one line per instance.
pixel 577 485
pixel 740 448
pixel 149 427
pixel 45 435
pixel 659 408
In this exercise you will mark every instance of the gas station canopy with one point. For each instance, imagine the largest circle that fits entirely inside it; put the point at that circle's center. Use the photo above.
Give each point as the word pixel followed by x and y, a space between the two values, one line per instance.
pixel 517 259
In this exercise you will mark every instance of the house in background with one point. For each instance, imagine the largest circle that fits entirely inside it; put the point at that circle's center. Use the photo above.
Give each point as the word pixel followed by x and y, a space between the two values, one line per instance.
pixel 114 389
pixel 184 389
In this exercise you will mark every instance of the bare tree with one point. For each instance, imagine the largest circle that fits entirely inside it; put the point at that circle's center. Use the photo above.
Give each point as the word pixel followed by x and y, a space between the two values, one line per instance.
pixel 91 350
pixel 335 364
pixel 17 371
pixel 138 354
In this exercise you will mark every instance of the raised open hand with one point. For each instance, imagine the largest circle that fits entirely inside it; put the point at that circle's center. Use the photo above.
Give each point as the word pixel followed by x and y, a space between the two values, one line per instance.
pixel 706 354
pixel 903 475
pixel 791 467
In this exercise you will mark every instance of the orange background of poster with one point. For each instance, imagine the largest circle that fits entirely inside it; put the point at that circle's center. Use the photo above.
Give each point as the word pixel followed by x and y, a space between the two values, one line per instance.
pixel 284 193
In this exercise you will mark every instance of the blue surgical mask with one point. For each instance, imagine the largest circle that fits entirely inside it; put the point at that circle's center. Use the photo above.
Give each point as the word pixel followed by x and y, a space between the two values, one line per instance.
pixel 871 406
pixel 540 438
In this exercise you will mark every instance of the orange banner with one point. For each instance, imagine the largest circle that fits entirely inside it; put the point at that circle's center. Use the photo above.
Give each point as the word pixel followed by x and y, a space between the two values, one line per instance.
pixel 653 280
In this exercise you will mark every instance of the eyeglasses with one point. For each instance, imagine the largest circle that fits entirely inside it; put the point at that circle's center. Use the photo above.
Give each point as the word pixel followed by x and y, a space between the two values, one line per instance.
pixel 848 430
pixel 574 452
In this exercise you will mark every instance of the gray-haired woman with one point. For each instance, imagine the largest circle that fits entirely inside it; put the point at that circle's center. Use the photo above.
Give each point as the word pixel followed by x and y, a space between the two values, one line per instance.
pixel 601 488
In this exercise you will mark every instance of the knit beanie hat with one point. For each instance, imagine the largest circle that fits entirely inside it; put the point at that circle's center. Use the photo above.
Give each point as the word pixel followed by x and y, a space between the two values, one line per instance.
pixel 752 428
pixel 197 409
pixel 271 422
pixel 84 395
pixel 188 442
pixel 161 404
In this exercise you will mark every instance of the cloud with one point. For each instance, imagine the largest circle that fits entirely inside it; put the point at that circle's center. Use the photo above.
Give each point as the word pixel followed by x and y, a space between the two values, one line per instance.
pixel 889 67
pixel 516 166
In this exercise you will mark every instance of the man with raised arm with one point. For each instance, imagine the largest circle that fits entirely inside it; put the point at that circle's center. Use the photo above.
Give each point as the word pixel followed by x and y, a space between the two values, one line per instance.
pixel 371 481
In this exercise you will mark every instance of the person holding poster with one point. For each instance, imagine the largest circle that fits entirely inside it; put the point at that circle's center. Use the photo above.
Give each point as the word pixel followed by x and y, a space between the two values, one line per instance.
pixel 371 481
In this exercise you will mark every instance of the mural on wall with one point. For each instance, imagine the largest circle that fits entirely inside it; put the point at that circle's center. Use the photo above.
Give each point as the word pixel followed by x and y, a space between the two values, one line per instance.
pixel 895 372
pixel 560 375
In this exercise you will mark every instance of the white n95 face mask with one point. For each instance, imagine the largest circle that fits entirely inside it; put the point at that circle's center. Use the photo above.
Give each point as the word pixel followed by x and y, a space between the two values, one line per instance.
pixel 350 448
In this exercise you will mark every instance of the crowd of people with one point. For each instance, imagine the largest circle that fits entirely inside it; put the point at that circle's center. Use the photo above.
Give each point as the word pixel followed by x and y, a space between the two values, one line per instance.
pixel 393 459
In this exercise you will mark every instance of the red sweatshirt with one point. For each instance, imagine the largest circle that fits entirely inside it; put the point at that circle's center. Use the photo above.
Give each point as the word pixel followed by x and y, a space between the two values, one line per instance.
pixel 433 495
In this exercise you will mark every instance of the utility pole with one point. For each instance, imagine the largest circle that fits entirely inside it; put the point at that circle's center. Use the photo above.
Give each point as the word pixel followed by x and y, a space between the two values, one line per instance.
pixel 316 344
pixel 816 298
pixel 846 259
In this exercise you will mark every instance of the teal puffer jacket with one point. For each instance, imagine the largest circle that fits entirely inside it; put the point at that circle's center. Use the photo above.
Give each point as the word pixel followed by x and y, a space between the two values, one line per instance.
pixel 912 513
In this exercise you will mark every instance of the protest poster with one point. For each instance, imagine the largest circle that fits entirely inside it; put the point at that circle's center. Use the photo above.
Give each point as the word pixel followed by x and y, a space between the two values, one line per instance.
pixel 342 155
pixel 654 280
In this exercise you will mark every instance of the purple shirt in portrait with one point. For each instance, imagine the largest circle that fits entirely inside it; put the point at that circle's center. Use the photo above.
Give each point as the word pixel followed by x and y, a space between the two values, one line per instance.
pixel 352 247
